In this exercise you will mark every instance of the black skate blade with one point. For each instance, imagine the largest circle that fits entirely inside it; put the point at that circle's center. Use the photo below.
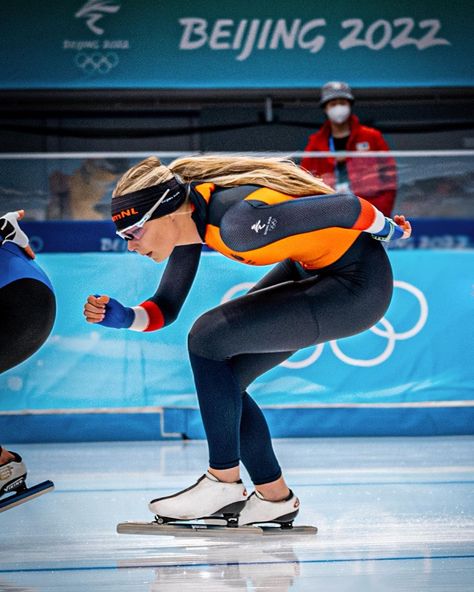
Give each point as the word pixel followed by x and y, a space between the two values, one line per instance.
pixel 26 495
pixel 187 529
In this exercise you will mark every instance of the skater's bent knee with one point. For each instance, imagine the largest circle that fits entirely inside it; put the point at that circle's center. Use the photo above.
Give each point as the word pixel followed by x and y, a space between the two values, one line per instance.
pixel 207 337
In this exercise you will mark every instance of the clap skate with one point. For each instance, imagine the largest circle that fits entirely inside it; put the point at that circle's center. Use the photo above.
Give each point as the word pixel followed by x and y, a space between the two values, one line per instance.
pixel 273 517
pixel 13 482
pixel 216 505
pixel 208 498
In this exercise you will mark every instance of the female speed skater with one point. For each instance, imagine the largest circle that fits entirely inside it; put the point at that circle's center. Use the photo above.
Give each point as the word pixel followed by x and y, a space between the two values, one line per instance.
pixel 27 314
pixel 332 279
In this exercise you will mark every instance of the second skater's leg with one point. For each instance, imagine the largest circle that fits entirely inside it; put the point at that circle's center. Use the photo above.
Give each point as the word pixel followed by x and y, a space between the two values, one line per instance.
pixel 12 472
pixel 13 489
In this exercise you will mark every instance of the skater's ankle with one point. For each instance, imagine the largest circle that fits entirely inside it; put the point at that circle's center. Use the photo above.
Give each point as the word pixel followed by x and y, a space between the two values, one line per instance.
pixel 276 491
pixel 276 498
pixel 226 475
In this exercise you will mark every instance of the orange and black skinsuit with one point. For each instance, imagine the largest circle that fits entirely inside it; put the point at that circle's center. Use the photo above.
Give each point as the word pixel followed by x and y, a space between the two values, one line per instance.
pixel 331 280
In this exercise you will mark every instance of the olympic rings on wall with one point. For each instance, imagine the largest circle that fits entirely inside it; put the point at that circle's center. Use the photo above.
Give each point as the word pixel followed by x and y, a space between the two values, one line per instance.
pixel 96 62
pixel 387 331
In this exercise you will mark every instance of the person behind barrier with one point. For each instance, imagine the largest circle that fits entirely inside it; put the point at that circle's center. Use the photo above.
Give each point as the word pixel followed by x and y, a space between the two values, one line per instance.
pixel 374 178
pixel 331 279
pixel 27 314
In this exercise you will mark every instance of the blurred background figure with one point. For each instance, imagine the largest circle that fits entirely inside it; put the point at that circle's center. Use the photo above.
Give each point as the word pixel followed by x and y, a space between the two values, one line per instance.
pixel 85 193
pixel 375 179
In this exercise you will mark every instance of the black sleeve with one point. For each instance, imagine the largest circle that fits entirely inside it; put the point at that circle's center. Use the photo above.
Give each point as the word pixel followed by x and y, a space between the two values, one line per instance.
pixel 177 280
pixel 251 224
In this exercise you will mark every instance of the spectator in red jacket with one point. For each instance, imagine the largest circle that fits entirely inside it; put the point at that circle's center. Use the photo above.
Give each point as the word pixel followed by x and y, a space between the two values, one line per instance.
pixel 374 179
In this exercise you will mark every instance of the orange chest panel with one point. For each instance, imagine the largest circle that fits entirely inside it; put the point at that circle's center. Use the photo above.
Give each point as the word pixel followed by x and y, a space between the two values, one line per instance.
pixel 313 250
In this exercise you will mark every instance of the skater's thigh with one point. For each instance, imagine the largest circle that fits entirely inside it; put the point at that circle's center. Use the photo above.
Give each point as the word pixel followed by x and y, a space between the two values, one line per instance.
pixel 343 306
pixel 286 317
pixel 339 307
pixel 275 319
pixel 27 313
pixel 248 367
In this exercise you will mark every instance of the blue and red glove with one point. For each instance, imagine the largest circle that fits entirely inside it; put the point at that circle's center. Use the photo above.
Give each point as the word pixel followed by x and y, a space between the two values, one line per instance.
pixel 117 315
pixel 390 231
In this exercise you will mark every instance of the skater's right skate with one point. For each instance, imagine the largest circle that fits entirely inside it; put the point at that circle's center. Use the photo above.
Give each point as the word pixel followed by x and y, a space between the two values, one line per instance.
pixel 259 510
pixel 13 489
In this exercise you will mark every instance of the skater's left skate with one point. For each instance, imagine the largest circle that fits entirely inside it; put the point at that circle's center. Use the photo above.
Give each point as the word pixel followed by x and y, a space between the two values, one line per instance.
pixel 178 514
pixel 13 489
pixel 207 497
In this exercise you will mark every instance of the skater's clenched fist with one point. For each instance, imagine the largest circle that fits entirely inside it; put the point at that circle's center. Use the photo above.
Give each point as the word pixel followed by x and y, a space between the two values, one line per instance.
pixel 107 311
pixel 94 308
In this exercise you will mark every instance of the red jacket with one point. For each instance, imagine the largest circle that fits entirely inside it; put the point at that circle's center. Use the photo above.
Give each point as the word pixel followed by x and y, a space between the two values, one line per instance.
pixel 374 179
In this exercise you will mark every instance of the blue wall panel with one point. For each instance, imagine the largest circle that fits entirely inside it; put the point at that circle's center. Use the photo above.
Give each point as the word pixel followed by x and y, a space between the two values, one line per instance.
pixel 415 366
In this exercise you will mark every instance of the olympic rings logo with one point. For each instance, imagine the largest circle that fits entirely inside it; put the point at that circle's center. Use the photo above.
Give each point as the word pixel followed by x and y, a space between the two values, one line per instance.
pixel 96 62
pixel 387 331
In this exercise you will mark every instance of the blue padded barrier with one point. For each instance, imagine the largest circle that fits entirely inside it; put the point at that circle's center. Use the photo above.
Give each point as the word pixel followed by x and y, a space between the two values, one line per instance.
pixel 411 374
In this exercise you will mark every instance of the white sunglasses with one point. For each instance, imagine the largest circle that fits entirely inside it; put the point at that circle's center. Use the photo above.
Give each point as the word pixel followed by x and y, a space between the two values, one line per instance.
pixel 128 233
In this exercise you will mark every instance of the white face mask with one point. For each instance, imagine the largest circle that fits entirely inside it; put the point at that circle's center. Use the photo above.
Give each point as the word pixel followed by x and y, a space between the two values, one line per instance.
pixel 339 113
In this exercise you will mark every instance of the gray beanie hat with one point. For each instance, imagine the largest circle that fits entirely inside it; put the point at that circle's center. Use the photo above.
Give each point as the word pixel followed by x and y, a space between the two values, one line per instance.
pixel 335 90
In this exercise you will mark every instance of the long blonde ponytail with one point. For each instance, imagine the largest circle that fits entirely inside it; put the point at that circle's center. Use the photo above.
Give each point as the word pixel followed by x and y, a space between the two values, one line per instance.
pixel 281 174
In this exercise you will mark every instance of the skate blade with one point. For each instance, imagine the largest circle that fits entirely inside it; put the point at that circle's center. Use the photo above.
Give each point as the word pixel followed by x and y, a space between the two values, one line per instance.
pixel 273 530
pixel 214 530
pixel 187 529
pixel 270 528
pixel 25 496
pixel 293 531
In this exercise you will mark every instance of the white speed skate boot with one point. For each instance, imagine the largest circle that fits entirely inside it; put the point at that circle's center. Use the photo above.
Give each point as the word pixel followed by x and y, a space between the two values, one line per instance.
pixel 207 497
pixel 13 482
pixel 258 510
pixel 13 475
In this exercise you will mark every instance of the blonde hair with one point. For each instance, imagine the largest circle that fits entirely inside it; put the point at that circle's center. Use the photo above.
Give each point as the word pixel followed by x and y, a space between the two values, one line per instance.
pixel 281 174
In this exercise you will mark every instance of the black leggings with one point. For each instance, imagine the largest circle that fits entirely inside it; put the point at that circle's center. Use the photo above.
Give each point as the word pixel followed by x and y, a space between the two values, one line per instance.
pixel 289 309
pixel 27 313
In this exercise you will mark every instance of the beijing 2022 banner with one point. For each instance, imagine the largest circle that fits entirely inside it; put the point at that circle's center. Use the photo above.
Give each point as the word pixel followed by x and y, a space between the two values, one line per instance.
pixel 213 44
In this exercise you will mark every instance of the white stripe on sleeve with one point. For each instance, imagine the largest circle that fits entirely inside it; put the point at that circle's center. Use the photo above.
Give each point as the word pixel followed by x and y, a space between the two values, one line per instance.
pixel 378 223
pixel 141 320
